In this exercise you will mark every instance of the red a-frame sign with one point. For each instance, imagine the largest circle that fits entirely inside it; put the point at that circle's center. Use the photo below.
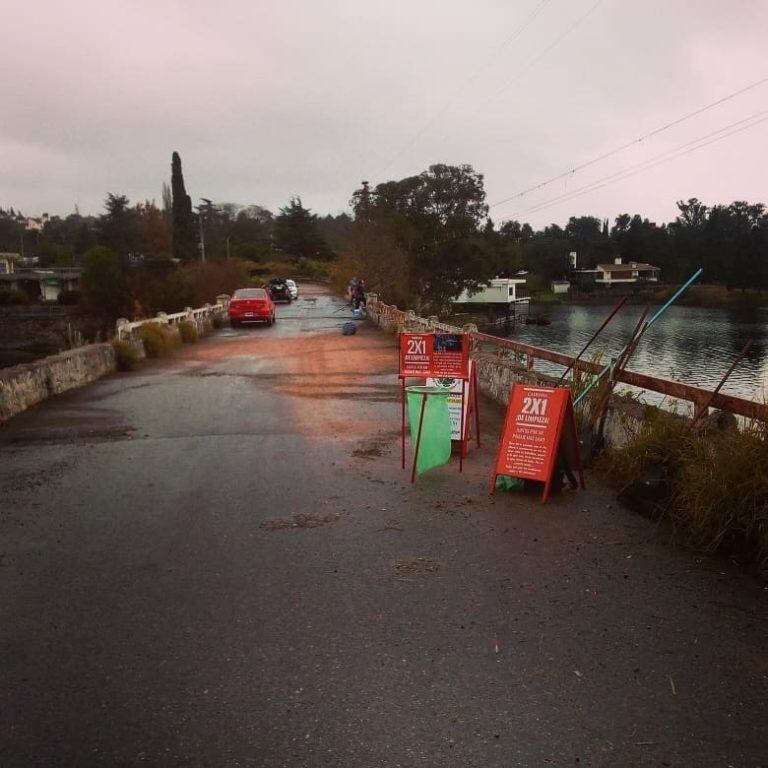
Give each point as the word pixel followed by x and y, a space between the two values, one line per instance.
pixel 539 429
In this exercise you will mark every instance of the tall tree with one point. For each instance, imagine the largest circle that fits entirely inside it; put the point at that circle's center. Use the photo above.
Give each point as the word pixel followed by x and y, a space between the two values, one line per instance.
pixel 436 219
pixel 296 232
pixel 184 230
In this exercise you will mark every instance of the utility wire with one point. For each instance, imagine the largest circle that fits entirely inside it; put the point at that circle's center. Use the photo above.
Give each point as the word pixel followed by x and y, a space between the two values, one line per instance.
pixel 532 63
pixel 629 144
pixel 650 162
pixel 647 165
pixel 452 100
pixel 673 154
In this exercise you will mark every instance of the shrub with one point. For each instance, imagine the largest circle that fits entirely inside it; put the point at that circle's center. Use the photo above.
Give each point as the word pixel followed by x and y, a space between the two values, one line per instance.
pixel 103 282
pixel 212 278
pixel 715 482
pixel 720 495
pixel 13 296
pixel 155 340
pixel 69 298
pixel 126 356
pixel 217 321
pixel 312 268
pixel 187 332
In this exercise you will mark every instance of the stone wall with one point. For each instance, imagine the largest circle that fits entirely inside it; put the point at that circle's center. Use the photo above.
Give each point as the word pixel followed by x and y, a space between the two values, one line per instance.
pixel 23 386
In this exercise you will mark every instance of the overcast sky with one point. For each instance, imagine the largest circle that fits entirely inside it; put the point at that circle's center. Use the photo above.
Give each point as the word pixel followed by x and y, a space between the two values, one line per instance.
pixel 264 100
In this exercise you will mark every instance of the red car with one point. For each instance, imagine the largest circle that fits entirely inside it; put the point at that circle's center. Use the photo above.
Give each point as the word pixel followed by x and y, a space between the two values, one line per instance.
pixel 250 305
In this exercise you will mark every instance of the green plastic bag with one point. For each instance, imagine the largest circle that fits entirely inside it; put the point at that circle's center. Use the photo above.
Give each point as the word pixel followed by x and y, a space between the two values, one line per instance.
pixel 509 483
pixel 435 444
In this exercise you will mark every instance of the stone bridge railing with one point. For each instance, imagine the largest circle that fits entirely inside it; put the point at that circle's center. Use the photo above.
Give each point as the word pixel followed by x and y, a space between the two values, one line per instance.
pixel 501 362
pixel 125 329
pixel 23 386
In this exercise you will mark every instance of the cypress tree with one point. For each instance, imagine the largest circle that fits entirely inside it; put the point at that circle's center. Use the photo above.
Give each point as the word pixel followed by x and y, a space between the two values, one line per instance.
pixel 184 234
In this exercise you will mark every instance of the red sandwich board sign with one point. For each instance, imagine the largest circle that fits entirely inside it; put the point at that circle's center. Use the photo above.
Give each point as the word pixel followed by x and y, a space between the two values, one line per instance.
pixel 539 428
pixel 434 355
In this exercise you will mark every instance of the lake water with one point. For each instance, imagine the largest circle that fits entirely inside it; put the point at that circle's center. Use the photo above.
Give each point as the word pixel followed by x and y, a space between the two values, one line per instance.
pixel 688 344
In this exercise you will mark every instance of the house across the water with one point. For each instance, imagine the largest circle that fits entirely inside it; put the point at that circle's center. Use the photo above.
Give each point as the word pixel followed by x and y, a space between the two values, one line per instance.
pixel 619 273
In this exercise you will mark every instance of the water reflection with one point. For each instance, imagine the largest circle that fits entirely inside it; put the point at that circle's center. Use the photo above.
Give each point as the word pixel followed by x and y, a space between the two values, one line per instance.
pixel 688 344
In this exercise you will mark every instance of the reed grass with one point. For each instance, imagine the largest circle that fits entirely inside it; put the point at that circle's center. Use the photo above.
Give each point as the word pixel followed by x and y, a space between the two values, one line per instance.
pixel 716 489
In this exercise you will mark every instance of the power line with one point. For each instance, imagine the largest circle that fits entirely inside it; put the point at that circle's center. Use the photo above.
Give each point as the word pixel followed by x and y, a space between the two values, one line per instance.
pixel 651 163
pixel 673 154
pixel 538 58
pixel 629 144
pixel 532 63
pixel 451 101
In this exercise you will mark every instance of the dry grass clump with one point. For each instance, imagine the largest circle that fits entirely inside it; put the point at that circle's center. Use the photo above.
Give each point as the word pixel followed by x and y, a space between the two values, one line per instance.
pixel 187 332
pixel 126 356
pixel 660 438
pixel 720 496
pixel 158 341
pixel 712 484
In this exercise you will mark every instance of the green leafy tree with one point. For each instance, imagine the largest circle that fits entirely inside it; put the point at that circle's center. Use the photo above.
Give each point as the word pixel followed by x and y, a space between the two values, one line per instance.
pixel 53 254
pixel 11 232
pixel 120 226
pixel 437 220
pixel 159 284
pixel 586 236
pixel 296 232
pixel 103 282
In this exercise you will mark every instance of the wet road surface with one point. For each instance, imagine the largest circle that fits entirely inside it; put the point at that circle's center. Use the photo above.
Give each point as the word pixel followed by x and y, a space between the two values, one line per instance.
pixel 217 561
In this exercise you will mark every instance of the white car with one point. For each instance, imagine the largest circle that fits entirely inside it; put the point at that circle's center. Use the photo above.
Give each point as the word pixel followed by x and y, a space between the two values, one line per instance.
pixel 293 289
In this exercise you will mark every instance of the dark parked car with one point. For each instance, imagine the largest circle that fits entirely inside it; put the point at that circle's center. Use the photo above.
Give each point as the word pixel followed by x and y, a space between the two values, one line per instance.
pixel 279 290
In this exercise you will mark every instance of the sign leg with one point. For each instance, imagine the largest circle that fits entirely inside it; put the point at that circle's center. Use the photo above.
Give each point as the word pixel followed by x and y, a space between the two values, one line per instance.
pixel 547 485
pixel 418 437
pixel 402 408
pixel 477 404
pixel 462 427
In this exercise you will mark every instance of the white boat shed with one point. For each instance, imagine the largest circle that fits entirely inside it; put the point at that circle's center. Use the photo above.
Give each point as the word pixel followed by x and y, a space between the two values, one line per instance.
pixel 501 290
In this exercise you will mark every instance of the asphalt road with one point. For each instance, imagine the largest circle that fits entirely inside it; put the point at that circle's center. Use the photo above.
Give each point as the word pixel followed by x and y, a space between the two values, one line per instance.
pixel 217 561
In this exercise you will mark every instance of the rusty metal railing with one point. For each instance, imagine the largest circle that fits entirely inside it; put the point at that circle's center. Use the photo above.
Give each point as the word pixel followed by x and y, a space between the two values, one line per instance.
pixel 697 396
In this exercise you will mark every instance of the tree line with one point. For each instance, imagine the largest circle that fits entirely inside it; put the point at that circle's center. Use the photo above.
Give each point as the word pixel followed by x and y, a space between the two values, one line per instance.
pixel 423 239
pixel 419 241
pixel 139 258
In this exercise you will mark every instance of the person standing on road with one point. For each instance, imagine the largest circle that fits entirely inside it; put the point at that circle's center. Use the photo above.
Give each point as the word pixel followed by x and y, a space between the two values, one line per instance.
pixel 359 295
pixel 351 290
